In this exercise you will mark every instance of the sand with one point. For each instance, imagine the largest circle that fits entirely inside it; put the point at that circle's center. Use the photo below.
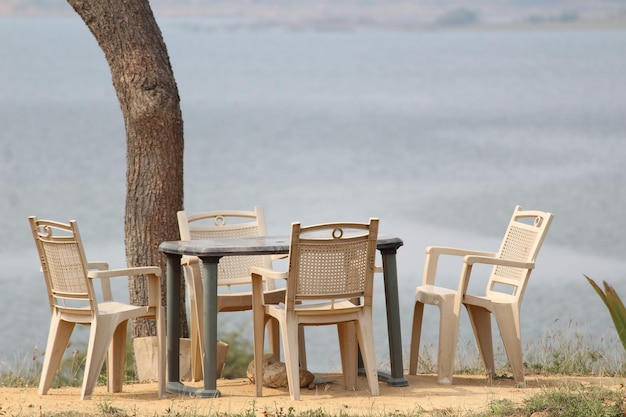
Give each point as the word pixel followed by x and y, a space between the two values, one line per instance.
pixel 469 393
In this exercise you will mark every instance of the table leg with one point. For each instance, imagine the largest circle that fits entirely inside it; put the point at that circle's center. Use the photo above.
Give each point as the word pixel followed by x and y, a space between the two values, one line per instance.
pixel 209 282
pixel 390 272
pixel 209 315
pixel 172 276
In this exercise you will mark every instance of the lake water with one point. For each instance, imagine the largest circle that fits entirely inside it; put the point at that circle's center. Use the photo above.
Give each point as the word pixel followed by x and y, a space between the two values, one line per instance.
pixel 439 134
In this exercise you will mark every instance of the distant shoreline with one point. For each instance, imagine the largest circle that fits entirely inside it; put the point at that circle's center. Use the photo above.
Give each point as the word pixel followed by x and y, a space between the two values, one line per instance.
pixel 342 24
pixel 614 23
pixel 356 22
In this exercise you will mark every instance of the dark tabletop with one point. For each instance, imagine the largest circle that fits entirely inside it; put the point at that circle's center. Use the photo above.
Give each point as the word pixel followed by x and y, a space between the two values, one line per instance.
pixel 249 246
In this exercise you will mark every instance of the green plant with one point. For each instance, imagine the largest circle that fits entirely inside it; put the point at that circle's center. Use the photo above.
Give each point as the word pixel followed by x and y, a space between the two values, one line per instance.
pixel 577 401
pixel 106 408
pixel 239 353
pixel 615 305
pixel 503 407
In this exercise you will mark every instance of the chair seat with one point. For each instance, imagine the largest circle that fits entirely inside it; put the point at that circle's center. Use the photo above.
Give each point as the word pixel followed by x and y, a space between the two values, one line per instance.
pixel 337 307
pixel 430 294
pixel 107 308
pixel 113 307
pixel 242 301
pixel 488 302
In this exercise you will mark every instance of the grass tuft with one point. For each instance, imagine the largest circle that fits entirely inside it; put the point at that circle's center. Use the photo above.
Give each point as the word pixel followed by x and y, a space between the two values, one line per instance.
pixel 578 401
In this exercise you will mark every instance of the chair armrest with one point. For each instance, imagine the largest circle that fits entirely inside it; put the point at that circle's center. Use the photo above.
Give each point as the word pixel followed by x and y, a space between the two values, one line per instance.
pixel 432 259
pixel 259 274
pixel 267 273
pixel 101 265
pixel 111 273
pixel 445 250
pixel 152 273
pixel 281 256
pixel 471 260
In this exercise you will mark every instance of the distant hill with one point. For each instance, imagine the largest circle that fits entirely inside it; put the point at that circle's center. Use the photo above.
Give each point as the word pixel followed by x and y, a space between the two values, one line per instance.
pixel 398 13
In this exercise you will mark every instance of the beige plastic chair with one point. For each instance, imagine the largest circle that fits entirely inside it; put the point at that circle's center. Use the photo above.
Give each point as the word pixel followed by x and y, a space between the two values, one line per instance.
pixel 73 300
pixel 512 265
pixel 329 281
pixel 233 272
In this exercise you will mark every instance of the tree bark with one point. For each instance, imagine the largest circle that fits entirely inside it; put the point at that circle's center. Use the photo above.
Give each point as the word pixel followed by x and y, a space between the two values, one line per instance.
pixel 133 45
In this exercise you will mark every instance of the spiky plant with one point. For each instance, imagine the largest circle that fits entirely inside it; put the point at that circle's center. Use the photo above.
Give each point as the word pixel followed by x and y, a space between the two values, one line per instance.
pixel 615 305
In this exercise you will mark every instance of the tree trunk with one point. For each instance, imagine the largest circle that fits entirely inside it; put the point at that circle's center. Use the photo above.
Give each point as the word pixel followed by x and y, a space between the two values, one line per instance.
pixel 131 40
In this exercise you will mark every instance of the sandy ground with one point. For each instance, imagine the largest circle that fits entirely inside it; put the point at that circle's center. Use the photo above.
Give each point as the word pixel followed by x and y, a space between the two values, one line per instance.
pixel 423 393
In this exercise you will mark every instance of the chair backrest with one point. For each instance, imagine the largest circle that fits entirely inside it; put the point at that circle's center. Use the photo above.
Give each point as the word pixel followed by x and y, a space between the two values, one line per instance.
pixel 64 266
pixel 232 270
pixel 522 241
pixel 332 261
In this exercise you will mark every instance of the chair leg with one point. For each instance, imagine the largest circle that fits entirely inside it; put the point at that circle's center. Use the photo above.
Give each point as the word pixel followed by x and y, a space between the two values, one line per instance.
pixel 259 321
pixel 258 344
pixel 194 287
pixel 196 343
pixel 274 341
pixel 289 328
pixel 196 357
pixel 116 358
pixel 349 349
pixel 273 332
pixel 507 317
pixel 99 340
pixel 448 335
pixel 302 352
pixel 365 336
pixel 58 339
pixel 416 334
pixel 480 319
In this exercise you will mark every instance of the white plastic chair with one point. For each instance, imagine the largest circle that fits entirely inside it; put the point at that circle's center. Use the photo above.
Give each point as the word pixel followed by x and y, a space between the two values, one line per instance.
pixel 73 300
pixel 329 281
pixel 512 266
pixel 233 272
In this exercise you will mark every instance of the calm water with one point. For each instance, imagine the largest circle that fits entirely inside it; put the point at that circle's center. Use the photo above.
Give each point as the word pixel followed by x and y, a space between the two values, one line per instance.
pixel 439 135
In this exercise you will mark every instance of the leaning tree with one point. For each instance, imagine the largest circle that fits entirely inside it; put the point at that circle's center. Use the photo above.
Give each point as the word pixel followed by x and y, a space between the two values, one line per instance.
pixel 133 45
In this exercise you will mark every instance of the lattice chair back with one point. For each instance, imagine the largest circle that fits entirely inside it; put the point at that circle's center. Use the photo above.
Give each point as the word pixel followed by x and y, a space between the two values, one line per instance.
pixel 64 267
pixel 332 262
pixel 522 242
pixel 232 270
